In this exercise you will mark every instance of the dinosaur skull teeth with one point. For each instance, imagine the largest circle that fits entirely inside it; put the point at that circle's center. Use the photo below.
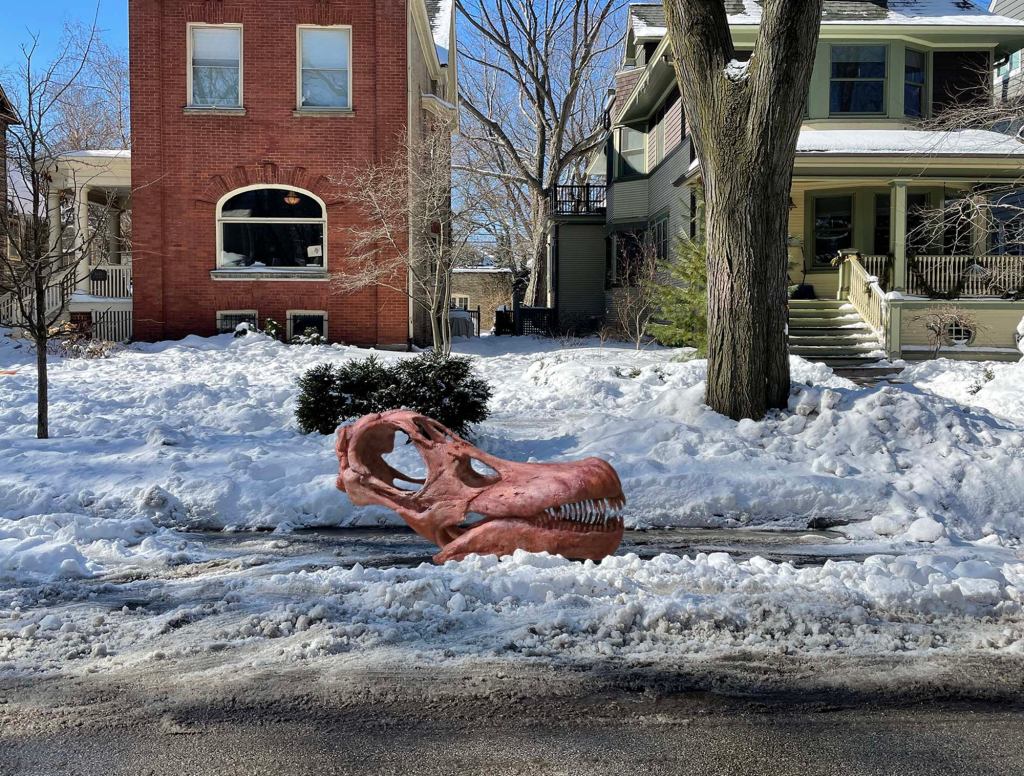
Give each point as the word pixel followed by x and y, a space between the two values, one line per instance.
pixel 597 513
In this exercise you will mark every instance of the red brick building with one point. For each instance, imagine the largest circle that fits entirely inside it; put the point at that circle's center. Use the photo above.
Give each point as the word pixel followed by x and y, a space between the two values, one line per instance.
pixel 7 118
pixel 245 115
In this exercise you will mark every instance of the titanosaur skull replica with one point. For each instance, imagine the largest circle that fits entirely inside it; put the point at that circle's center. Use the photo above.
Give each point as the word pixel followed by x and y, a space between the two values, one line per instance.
pixel 472 502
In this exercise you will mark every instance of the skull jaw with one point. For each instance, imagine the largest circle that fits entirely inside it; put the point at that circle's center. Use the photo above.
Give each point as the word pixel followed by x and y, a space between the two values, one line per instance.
pixel 503 536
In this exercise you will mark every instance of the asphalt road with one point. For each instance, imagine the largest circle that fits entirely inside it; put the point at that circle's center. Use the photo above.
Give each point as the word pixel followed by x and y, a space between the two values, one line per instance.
pixel 345 716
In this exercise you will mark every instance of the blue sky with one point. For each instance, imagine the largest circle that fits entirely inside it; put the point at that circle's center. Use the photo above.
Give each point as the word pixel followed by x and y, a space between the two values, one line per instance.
pixel 47 18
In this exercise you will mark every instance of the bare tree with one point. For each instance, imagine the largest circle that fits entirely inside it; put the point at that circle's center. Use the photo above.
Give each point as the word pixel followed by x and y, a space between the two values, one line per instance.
pixel 532 107
pixel 744 120
pixel 947 326
pixel 46 246
pixel 411 234
pixel 635 303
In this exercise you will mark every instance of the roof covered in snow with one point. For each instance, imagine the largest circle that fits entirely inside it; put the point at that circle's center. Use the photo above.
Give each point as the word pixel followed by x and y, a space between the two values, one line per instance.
pixel 906 142
pixel 648 20
pixel 439 12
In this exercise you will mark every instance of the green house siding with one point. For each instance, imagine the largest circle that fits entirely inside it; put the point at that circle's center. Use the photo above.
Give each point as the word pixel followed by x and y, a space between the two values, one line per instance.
pixel 581 271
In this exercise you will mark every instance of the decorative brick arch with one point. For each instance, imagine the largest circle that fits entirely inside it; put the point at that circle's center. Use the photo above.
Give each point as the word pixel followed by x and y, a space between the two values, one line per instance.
pixel 270 174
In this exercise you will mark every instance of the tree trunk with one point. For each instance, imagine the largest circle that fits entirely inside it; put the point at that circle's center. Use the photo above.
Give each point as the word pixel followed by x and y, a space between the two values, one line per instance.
pixel 744 123
pixel 42 390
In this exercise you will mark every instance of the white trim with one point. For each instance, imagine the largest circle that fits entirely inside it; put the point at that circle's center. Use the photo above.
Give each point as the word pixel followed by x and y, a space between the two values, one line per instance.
pixel 254 313
pixel 189 102
pixel 305 109
pixel 290 314
pixel 220 221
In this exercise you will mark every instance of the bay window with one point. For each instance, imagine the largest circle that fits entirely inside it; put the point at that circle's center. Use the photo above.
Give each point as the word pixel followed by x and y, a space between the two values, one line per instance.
pixel 272 228
pixel 858 79
pixel 632 152
pixel 324 73
pixel 215 67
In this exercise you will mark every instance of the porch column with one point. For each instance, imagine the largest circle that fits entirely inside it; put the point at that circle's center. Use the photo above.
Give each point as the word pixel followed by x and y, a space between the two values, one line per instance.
pixel 53 220
pixel 114 234
pixel 898 234
pixel 81 238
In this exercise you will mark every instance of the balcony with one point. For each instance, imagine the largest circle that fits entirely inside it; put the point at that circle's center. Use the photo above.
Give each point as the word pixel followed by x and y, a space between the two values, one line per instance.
pixel 579 200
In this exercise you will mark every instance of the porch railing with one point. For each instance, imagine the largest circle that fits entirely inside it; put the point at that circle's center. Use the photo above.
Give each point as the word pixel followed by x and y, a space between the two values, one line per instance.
pixel 879 267
pixel 862 290
pixel 953 277
pixel 585 200
pixel 58 292
pixel 111 281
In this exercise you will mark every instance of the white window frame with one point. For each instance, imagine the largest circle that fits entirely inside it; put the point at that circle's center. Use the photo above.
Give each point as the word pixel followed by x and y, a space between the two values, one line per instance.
pixel 291 317
pixel 224 313
pixel 456 297
pixel 298 68
pixel 320 270
pixel 189 67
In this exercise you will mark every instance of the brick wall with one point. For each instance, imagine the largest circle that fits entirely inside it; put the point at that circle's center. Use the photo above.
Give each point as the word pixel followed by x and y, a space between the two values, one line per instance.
pixel 486 290
pixel 183 164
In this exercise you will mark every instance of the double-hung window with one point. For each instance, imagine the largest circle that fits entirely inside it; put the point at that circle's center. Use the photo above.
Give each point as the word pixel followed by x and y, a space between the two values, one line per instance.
pixel 632 152
pixel 915 76
pixel 325 68
pixel 215 69
pixel 858 80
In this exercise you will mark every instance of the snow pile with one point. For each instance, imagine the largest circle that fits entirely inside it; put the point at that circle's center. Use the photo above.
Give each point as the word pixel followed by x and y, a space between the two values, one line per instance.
pixel 201 434
pixel 541 606
pixel 992 386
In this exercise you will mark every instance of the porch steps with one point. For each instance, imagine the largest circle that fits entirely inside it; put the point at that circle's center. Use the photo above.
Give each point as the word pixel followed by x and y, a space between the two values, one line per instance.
pixel 832 332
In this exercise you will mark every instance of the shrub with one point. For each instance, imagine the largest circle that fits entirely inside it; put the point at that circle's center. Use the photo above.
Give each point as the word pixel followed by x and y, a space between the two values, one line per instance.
pixel 441 387
pixel 309 336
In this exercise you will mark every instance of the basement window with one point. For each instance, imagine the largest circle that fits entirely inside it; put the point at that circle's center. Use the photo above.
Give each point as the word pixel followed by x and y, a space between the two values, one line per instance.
pixel 229 320
pixel 305 322
pixel 272 228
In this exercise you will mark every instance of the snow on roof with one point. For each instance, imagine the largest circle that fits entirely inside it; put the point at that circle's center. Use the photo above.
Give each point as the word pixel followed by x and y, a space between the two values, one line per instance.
pixel 468 270
pixel 111 153
pixel 972 142
pixel 439 12
pixel 648 20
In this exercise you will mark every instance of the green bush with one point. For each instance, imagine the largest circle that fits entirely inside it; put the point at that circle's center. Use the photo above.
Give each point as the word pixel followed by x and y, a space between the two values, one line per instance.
pixel 441 387
pixel 682 318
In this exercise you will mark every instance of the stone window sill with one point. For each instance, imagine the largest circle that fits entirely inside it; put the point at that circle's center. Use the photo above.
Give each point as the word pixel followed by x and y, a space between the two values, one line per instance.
pixel 192 111
pixel 249 274
pixel 323 112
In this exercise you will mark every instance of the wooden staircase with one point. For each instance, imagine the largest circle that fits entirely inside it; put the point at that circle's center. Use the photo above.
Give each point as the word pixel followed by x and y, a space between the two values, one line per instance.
pixel 833 332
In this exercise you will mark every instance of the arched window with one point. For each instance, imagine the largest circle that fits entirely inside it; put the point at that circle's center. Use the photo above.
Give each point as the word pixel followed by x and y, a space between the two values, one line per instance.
pixel 272 228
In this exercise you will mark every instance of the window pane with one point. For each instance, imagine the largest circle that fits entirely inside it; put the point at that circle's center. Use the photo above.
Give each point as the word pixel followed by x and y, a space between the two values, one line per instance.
pixel 857 97
pixel 325 66
pixel 915 66
pixel 324 49
pixel 271 203
pixel 882 224
pixel 260 245
pixel 215 66
pixel 833 227
pixel 913 100
pixel 325 88
pixel 858 61
pixel 303 321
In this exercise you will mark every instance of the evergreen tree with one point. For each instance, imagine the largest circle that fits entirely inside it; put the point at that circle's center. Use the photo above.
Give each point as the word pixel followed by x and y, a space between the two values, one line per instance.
pixel 683 298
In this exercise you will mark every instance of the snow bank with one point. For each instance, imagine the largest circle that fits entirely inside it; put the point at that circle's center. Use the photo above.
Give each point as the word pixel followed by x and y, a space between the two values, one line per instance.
pixel 543 606
pixel 993 386
pixel 200 433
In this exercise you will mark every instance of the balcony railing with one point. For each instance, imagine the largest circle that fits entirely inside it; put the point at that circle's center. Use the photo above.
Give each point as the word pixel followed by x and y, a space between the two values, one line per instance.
pixel 955 277
pixel 584 200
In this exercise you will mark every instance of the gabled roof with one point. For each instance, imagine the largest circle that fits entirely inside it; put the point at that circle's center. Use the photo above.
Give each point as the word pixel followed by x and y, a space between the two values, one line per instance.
pixel 439 13
pixel 648 20
pixel 6 109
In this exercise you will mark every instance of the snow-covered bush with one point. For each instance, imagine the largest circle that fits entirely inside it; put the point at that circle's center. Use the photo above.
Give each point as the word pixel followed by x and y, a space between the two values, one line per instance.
pixel 272 328
pixel 309 337
pixel 441 387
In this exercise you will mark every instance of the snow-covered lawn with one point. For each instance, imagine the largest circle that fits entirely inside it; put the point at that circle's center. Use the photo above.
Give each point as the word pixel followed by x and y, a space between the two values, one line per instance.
pixel 200 434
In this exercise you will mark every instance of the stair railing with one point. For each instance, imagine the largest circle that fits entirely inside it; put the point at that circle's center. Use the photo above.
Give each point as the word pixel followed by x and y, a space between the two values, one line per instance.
pixel 863 291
